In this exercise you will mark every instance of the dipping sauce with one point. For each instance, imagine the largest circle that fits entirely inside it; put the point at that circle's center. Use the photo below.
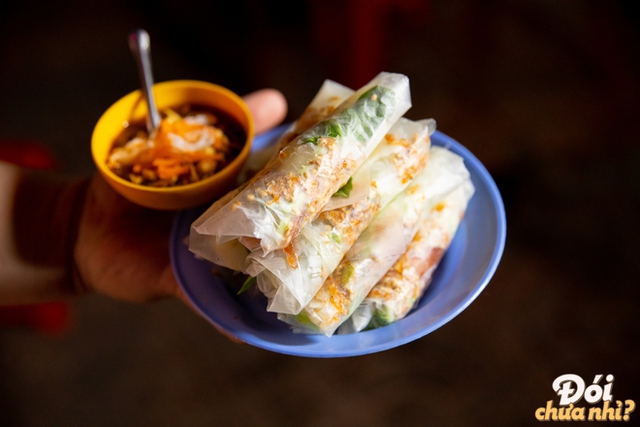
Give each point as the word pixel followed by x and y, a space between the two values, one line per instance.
pixel 192 143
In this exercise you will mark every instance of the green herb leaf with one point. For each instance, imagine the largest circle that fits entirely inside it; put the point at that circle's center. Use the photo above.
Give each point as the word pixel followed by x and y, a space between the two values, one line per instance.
pixel 335 237
pixel 333 130
pixel 311 140
pixel 303 319
pixel 247 284
pixel 345 190
pixel 347 272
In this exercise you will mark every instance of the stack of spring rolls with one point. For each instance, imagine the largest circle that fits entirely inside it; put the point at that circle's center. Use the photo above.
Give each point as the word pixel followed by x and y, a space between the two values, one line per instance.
pixel 345 225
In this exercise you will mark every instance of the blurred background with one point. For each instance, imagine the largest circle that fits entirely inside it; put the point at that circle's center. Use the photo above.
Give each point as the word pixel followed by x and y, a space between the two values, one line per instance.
pixel 544 93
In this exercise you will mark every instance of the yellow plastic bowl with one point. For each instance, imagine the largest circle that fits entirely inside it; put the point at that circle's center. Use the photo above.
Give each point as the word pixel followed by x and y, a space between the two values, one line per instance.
pixel 132 108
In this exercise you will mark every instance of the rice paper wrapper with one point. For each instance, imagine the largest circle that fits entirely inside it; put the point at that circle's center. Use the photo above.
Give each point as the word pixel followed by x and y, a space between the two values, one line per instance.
pixel 326 101
pixel 404 132
pixel 292 276
pixel 397 293
pixel 292 190
pixel 380 245
pixel 232 254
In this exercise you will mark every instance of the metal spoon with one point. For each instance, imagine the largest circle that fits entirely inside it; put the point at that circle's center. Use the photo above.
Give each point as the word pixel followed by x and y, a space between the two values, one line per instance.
pixel 139 45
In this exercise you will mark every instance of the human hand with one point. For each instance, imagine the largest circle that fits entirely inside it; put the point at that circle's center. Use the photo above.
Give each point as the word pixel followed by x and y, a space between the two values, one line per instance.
pixel 122 249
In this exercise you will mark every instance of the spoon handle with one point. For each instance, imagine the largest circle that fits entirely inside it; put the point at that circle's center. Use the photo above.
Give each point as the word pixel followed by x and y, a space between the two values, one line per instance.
pixel 140 47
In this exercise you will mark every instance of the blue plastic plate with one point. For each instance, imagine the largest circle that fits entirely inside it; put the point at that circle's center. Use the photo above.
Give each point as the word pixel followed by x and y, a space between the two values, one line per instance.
pixel 463 273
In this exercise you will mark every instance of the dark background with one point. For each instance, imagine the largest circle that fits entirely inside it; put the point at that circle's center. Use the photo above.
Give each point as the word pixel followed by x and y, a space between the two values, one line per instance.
pixel 544 93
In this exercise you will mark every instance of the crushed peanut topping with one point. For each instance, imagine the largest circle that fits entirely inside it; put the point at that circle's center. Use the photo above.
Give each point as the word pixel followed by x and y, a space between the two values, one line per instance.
pixel 310 116
pixel 289 186
pixel 339 296
pixel 350 221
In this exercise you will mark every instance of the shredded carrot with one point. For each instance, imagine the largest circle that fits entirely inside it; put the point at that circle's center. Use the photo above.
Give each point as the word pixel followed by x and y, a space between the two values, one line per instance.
pixel 174 166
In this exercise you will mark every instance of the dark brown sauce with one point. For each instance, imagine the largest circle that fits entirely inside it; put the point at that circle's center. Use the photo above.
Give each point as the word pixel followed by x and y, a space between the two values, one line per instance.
pixel 144 173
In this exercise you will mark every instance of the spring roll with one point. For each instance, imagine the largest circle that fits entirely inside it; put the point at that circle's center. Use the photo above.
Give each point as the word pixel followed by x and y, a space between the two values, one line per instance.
pixel 397 293
pixel 232 254
pixel 292 190
pixel 380 245
pixel 323 105
pixel 291 277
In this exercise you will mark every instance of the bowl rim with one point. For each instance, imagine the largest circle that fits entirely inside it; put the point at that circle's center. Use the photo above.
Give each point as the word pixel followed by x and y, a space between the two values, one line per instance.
pixel 234 164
